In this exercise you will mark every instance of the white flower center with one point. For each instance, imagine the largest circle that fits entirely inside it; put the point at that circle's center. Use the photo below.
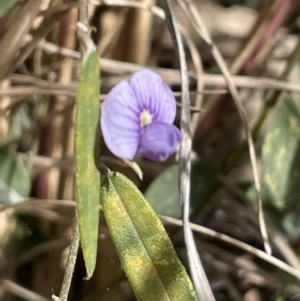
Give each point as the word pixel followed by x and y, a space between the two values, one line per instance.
pixel 146 118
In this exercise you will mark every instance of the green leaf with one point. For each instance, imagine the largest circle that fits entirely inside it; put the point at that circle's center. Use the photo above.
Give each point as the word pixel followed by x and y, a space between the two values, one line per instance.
pixel 87 177
pixel 14 178
pixel 20 119
pixel 166 187
pixel 281 156
pixel 5 5
pixel 145 250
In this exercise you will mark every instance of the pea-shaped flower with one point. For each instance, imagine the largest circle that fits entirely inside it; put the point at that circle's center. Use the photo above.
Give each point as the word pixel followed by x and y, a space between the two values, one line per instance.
pixel 137 117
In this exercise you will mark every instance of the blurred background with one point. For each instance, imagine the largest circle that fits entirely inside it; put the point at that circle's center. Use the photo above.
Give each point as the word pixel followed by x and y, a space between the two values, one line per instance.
pixel 39 68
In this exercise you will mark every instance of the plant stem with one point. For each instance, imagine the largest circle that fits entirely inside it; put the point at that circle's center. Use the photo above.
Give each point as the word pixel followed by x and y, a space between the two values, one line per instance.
pixel 65 287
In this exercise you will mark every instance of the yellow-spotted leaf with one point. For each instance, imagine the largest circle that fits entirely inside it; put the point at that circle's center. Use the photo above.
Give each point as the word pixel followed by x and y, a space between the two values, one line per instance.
pixel 87 177
pixel 145 250
pixel 281 157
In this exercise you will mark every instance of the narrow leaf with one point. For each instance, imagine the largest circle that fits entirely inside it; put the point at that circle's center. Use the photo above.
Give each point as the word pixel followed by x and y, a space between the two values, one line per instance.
pixel 87 176
pixel 145 250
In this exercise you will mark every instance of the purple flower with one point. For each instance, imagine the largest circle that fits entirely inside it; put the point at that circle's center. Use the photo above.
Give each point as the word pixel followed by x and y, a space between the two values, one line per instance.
pixel 137 117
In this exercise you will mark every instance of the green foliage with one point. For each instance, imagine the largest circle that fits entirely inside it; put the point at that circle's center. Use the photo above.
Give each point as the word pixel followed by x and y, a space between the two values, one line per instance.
pixel 5 5
pixel 281 168
pixel 163 193
pixel 145 250
pixel 87 177
pixel 14 178
pixel 281 156
pixel 20 119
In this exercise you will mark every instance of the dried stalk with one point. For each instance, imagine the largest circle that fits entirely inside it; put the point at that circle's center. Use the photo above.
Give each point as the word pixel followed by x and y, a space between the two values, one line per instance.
pixel 65 287
pixel 200 280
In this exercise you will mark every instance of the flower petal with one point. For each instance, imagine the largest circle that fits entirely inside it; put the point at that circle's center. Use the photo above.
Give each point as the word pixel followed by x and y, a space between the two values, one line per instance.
pixel 159 141
pixel 120 121
pixel 154 95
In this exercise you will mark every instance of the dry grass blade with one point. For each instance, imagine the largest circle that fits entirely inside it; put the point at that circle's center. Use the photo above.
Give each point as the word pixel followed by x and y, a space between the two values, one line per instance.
pixel 278 238
pixel 43 30
pixel 267 21
pixel 200 280
pixel 239 244
pixel 199 75
pixel 155 10
pixel 41 202
pixel 32 253
pixel 251 82
pixel 13 37
pixel 202 30
pixel 27 90
pixel 42 162
pixel 32 203
pixel 20 291
pixel 141 23
pixel 112 24
pixel 26 79
pixel 172 76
